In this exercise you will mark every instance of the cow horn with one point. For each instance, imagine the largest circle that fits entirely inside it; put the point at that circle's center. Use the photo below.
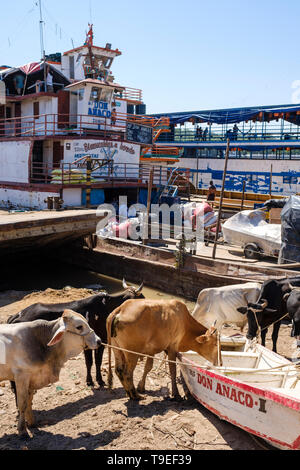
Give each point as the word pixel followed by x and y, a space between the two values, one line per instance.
pixel 124 284
pixel 140 288
pixel 264 304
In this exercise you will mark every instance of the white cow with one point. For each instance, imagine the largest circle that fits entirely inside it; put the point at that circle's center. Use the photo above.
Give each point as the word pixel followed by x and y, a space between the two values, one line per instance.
pixel 33 353
pixel 220 304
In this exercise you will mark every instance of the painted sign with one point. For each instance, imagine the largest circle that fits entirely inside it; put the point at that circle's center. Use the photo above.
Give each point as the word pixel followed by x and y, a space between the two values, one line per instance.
pixel 99 109
pixel 139 133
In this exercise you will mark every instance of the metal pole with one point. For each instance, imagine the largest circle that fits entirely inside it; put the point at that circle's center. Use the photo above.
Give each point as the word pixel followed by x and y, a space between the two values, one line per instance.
pixel 271 175
pixel 150 183
pixel 243 195
pixel 221 200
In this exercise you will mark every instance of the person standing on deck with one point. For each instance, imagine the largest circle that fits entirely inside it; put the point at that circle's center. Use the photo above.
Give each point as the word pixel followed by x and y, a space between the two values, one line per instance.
pixel 49 81
pixel 212 190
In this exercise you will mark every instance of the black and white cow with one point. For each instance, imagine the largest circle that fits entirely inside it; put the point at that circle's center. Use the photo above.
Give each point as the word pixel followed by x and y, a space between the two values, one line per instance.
pixel 95 309
pixel 270 308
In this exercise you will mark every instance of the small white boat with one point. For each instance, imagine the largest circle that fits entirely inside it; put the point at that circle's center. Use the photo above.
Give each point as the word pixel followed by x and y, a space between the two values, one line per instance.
pixel 256 390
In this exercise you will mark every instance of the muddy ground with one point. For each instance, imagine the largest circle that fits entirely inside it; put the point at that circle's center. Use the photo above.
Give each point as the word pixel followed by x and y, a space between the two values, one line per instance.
pixel 72 416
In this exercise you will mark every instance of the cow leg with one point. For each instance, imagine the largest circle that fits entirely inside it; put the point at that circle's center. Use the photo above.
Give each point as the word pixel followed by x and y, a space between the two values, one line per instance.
pixel 22 388
pixel 276 327
pixel 263 335
pixel 131 362
pixel 172 367
pixel 98 363
pixel 29 414
pixel 88 356
pixel 148 367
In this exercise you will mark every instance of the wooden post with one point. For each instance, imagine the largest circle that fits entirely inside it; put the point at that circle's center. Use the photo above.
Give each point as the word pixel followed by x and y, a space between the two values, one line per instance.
pixel 88 181
pixel 271 175
pixel 243 195
pixel 221 200
pixel 146 225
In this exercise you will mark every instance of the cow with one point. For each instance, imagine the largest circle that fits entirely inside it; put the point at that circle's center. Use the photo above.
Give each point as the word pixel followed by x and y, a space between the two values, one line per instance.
pixel 32 355
pixel 220 304
pixel 95 309
pixel 292 298
pixel 150 327
pixel 270 308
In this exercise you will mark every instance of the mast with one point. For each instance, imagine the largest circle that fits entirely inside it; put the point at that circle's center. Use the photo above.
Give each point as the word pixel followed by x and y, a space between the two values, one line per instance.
pixel 43 55
pixel 41 32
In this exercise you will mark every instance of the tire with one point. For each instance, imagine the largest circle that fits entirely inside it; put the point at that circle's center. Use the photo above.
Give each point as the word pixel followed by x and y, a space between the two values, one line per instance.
pixel 252 251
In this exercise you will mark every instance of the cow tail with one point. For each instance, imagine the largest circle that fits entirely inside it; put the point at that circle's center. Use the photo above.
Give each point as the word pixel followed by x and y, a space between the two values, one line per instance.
pixel 109 323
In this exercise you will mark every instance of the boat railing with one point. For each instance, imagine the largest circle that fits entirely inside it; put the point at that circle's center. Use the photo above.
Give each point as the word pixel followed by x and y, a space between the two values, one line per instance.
pixel 72 124
pixel 103 171
pixel 132 94
pixel 216 135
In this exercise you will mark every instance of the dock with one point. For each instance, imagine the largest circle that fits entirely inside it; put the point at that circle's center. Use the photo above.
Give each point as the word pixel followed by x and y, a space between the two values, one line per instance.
pixel 27 231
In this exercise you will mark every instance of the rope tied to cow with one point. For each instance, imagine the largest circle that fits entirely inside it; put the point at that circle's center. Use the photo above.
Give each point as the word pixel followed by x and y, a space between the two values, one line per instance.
pixel 223 369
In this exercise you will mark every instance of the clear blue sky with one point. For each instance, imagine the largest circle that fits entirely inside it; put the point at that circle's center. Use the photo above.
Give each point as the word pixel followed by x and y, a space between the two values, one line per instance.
pixel 184 55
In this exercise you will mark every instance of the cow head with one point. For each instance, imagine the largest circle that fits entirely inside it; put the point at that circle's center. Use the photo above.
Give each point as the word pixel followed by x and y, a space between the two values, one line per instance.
pixel 132 292
pixel 74 323
pixel 208 346
pixel 257 314
pixel 291 295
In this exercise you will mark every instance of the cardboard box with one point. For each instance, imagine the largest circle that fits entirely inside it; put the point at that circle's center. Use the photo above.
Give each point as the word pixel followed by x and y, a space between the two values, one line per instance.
pixel 274 217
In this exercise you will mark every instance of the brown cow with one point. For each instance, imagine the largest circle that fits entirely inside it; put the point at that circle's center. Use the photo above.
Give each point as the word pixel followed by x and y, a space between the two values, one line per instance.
pixel 150 327
pixel 33 353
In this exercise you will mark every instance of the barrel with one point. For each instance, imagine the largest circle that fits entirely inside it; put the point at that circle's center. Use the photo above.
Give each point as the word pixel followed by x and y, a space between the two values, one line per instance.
pixel 130 108
pixel 140 109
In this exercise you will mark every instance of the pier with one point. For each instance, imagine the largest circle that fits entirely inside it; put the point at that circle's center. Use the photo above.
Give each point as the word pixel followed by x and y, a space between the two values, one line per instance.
pixel 27 231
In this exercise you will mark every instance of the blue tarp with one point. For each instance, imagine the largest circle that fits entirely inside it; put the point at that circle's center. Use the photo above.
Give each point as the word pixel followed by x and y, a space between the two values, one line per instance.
pixel 234 115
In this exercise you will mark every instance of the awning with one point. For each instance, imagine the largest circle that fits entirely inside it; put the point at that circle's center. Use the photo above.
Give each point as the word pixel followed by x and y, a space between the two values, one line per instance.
pixel 235 115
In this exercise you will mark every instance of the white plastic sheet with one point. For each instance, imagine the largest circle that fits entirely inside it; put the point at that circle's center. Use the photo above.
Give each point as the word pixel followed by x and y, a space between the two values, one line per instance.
pixel 251 227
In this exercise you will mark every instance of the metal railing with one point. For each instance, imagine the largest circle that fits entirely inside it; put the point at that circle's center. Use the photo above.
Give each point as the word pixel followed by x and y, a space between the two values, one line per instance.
pixel 109 172
pixel 132 94
pixel 68 124
pixel 214 135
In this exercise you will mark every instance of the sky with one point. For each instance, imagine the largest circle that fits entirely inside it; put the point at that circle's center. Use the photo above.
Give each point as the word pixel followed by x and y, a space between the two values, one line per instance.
pixel 184 54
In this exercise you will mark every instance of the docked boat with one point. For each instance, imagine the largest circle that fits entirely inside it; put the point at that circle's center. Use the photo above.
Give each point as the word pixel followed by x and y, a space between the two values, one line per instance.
pixel 256 390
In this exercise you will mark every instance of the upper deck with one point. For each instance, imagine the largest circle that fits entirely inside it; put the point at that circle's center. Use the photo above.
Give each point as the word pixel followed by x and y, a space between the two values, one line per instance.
pixel 267 132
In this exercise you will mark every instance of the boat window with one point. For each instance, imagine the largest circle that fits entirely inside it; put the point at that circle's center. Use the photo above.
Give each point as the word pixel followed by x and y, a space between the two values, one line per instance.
pixel 95 94
pixel 106 95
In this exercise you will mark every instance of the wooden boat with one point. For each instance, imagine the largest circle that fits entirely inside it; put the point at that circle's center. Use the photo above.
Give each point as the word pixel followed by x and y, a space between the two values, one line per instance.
pixel 256 390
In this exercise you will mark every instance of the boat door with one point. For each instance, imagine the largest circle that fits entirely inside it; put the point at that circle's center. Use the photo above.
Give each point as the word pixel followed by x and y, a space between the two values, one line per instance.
pixel 58 154
pixel 37 170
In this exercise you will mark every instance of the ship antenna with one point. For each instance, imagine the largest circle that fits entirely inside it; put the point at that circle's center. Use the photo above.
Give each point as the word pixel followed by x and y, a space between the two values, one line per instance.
pixel 41 32
pixel 43 57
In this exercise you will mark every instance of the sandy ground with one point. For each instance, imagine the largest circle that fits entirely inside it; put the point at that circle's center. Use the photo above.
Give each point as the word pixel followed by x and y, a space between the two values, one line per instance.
pixel 72 416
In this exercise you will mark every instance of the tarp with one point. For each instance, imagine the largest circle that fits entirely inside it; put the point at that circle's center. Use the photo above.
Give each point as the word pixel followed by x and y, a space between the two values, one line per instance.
pixel 290 231
pixel 233 115
pixel 33 71
pixel 251 227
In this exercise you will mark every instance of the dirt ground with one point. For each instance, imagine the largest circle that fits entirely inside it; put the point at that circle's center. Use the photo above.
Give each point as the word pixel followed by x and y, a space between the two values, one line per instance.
pixel 72 416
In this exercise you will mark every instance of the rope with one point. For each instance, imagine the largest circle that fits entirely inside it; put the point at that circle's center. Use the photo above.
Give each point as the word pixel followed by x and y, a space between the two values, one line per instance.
pixel 201 366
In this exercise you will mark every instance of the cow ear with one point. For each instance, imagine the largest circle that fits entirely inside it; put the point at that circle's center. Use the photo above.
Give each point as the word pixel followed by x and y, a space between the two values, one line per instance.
pixel 242 310
pixel 202 339
pixel 58 336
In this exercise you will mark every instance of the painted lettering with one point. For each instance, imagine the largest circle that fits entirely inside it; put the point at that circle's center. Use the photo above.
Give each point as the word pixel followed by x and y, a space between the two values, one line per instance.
pixel 226 391
pixel 249 401
pixel 240 396
pixel 262 405
pixel 233 395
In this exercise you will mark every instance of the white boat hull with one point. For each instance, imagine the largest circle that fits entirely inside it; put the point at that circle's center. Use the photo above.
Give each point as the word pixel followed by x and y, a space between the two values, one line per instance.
pixel 265 413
